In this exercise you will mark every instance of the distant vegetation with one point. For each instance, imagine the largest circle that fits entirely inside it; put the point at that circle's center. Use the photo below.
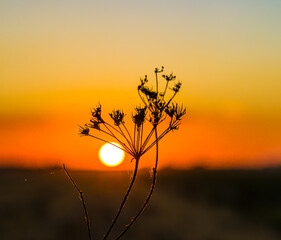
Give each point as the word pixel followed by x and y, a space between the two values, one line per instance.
pixel 188 204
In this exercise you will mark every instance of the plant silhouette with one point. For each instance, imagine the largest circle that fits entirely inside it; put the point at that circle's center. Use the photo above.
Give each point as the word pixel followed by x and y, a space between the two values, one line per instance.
pixel 156 109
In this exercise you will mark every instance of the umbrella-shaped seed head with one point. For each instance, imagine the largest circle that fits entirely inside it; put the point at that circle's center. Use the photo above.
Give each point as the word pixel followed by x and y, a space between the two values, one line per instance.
pixel 96 114
pixel 117 116
pixel 84 131
pixel 177 87
pixel 139 116
pixel 169 78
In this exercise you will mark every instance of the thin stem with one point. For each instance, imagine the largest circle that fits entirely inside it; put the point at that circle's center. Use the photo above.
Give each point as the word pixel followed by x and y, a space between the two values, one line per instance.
pixel 138 139
pixel 106 132
pixel 109 134
pixel 175 124
pixel 82 199
pixel 142 98
pixel 156 77
pixel 165 89
pixel 147 139
pixel 141 135
pixel 123 144
pixel 124 199
pixel 128 133
pixel 147 101
pixel 112 127
pixel 130 144
pixel 171 99
pixel 148 196
pixel 120 132
pixel 157 140
pixel 129 152
pixel 135 135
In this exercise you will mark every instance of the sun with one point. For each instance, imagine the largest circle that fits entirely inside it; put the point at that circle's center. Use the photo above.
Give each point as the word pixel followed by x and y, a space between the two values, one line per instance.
pixel 110 155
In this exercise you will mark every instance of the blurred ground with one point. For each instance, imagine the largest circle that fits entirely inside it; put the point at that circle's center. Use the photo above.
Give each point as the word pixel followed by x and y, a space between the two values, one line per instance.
pixel 192 204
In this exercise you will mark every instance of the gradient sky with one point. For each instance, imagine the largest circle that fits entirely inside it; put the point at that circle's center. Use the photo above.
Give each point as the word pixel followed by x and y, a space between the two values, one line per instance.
pixel 60 58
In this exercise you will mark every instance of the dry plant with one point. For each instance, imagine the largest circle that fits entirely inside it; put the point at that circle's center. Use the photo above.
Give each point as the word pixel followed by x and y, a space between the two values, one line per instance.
pixel 157 108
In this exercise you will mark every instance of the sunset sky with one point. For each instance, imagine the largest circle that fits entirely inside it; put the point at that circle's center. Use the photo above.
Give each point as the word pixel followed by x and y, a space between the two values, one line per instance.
pixel 58 59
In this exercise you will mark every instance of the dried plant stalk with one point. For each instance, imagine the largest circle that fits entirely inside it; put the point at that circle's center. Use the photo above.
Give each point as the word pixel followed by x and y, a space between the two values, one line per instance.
pixel 82 200
pixel 156 110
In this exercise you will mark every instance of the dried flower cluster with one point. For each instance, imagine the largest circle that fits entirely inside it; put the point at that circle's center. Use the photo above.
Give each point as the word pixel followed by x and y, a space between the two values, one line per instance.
pixel 156 109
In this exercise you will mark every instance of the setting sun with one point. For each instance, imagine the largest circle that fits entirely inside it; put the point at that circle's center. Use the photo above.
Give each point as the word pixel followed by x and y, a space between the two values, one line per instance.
pixel 110 155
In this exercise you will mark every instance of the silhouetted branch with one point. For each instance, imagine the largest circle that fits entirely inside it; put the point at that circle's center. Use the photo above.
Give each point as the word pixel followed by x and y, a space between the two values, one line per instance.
pixel 124 200
pixel 156 110
pixel 82 199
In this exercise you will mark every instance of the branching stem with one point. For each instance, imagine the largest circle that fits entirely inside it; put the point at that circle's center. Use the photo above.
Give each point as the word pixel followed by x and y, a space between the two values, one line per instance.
pixel 147 139
pixel 124 200
pixel 139 141
pixel 148 196
pixel 109 143
pixel 128 133
pixel 128 141
pixel 123 144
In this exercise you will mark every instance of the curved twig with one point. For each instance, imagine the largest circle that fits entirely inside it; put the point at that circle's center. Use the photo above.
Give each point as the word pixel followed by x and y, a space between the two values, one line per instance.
pixel 82 199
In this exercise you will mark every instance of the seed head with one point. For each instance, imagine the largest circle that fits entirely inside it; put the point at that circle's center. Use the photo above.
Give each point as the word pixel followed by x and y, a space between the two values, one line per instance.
pixel 143 81
pixel 169 78
pixel 177 87
pixel 96 114
pixel 155 116
pixel 176 111
pixel 180 111
pixel 117 117
pixel 139 116
pixel 159 71
pixel 84 131
pixel 150 94
pixel 170 110
pixel 94 124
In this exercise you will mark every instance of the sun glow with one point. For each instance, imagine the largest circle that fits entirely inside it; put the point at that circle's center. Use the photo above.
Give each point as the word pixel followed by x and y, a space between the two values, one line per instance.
pixel 110 155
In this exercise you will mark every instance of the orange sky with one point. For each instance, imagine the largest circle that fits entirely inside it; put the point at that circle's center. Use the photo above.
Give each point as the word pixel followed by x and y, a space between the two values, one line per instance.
pixel 59 59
